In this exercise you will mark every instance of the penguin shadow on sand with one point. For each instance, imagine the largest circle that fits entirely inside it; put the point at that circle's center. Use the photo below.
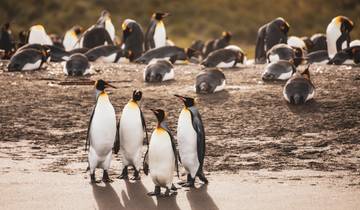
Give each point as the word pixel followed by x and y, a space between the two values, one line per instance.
pixel 106 197
pixel 311 106
pixel 215 98
pixel 137 198
pixel 200 199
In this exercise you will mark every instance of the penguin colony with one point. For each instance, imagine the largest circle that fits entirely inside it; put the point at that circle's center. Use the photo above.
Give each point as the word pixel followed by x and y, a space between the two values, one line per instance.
pixel 105 135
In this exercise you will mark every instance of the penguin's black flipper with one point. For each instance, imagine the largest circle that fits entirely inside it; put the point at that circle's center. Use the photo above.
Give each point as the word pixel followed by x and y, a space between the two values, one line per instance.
pixel 116 147
pixel 173 147
pixel 87 144
pixel 149 40
pixel 145 162
pixel 260 54
pixel 199 128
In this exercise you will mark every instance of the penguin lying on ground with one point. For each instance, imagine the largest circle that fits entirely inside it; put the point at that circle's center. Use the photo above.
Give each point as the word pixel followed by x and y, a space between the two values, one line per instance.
pixel 316 42
pixel 101 132
pixel 320 57
pixel 210 81
pixel 28 59
pixel 130 136
pixel 172 53
pixel 299 89
pixel 269 35
pixel 346 56
pixel 191 141
pixel 77 65
pixel 155 35
pixel 197 46
pixel 297 42
pixel 354 43
pixel 162 157
pixel 279 70
pixel 338 34
pixel 38 35
pixel 285 52
pixel 158 71
pixel 216 44
pixel 224 58
pixel 105 53
pixel 133 39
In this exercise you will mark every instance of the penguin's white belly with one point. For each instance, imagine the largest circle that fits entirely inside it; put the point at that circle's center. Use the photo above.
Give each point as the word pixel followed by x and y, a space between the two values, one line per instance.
pixel 355 42
pixel 285 76
pixel 110 29
pixel 107 59
pixel 161 159
pixel 274 58
pixel 332 34
pixel 285 95
pixel 103 128
pixel 226 65
pixel 32 66
pixel 169 75
pixel 70 42
pixel 131 135
pixel 220 87
pixel 187 140
pixel 159 36
pixel 39 37
pixel 310 96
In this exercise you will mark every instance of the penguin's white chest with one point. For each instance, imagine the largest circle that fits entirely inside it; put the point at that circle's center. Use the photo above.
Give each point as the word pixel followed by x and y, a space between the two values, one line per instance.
pixel 220 87
pixel 160 35
pixel 108 59
pixel 39 37
pixel 285 76
pixel 32 66
pixel 131 133
pixel 169 75
pixel 70 41
pixel 161 158
pixel 226 65
pixel 332 35
pixel 103 127
pixel 109 27
pixel 187 140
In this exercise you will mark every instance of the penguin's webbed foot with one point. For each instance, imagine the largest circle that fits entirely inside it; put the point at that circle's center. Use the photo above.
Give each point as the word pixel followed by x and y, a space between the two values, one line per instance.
pixel 173 187
pixel 156 192
pixel 203 178
pixel 136 175
pixel 124 174
pixel 106 177
pixel 189 184
pixel 169 193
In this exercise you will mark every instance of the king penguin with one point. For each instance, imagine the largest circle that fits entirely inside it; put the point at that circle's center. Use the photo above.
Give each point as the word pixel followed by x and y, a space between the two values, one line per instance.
pixel 155 35
pixel 28 59
pixel 104 21
pixel 71 38
pixel 338 34
pixel 101 132
pixel 37 35
pixel 191 141
pixel 130 137
pixel 133 38
pixel 162 156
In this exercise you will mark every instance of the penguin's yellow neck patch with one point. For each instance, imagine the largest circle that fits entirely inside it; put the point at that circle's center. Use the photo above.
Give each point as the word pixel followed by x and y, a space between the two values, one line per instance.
pixel 123 26
pixel 103 95
pixel 132 104
pixel 160 131
pixel 160 24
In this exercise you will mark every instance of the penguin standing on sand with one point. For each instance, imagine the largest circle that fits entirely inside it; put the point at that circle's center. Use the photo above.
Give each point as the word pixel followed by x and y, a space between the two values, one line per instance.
pixel 101 132
pixel 130 137
pixel 37 35
pixel 299 89
pixel 133 38
pixel 162 156
pixel 338 34
pixel 269 35
pixel 191 141
pixel 155 35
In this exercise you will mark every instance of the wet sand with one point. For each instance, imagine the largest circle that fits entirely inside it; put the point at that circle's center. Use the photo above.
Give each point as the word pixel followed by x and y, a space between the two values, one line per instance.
pixel 255 140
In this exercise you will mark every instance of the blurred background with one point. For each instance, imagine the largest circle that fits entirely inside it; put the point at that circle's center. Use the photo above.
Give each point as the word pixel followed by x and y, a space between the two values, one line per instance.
pixel 189 20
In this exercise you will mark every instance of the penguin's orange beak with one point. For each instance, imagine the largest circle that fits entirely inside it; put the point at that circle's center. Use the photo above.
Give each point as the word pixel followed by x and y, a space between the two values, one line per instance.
pixel 180 97
pixel 166 14
pixel 109 85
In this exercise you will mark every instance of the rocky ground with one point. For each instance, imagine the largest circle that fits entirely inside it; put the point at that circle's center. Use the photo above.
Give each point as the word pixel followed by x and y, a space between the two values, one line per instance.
pixel 249 126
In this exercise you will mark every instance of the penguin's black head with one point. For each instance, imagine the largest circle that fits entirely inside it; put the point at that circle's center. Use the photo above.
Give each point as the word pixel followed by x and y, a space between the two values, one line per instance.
pixel 137 94
pixel 159 113
pixel 283 25
pixel 105 13
pixel 78 30
pixel 227 35
pixel 346 24
pixel 160 15
pixel 188 102
pixel 101 85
